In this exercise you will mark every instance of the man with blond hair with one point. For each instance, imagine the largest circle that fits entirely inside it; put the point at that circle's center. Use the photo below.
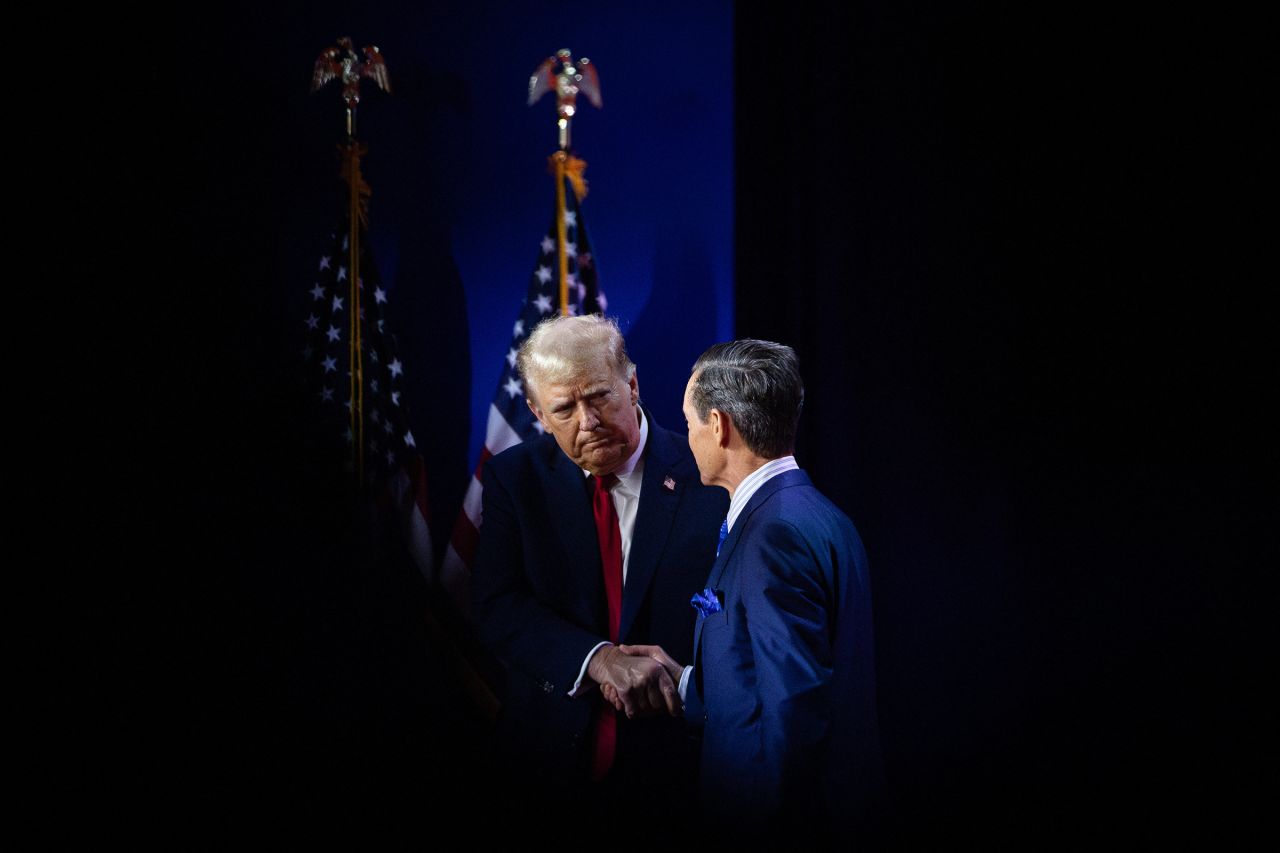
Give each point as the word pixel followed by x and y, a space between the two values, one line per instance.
pixel 593 534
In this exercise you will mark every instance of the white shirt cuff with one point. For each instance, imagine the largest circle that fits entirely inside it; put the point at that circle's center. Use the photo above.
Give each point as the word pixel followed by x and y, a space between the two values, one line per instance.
pixel 684 682
pixel 578 689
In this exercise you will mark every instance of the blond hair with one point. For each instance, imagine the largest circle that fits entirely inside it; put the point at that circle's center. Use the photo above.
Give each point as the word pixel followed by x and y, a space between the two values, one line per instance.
pixel 561 349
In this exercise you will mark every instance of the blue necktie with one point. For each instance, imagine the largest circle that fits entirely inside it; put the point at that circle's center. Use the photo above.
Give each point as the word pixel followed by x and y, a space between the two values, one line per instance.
pixel 724 531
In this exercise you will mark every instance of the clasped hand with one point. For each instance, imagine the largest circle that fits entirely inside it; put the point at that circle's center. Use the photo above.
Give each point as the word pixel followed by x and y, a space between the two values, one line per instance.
pixel 639 680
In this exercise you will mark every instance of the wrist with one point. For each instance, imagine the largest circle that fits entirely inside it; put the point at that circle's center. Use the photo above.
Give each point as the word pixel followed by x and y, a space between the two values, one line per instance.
pixel 598 666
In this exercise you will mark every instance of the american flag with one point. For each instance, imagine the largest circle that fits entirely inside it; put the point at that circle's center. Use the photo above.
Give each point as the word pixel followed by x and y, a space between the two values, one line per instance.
pixel 393 470
pixel 510 421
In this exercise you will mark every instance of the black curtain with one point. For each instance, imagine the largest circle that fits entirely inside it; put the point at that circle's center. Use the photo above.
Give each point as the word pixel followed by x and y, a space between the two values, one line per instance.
pixel 1032 369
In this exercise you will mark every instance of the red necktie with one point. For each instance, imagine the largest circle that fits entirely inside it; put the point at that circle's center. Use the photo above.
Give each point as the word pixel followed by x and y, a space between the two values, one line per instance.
pixel 609 535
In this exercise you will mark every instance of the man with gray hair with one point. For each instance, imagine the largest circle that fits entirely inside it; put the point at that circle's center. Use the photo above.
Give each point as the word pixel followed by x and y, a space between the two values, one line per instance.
pixel 592 536
pixel 782 680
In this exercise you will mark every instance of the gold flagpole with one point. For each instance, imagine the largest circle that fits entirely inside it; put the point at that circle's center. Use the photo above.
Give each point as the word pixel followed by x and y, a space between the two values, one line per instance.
pixel 561 238
pixel 341 62
pixel 357 355
pixel 570 79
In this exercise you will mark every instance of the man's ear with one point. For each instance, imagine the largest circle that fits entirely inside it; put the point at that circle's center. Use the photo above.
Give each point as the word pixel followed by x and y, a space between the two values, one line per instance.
pixel 634 384
pixel 721 426
pixel 537 413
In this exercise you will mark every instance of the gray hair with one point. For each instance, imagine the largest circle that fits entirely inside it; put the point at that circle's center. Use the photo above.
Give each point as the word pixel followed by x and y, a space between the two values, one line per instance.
pixel 757 384
pixel 561 349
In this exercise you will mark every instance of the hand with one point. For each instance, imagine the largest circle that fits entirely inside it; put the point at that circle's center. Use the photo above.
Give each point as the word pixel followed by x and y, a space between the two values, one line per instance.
pixel 637 684
pixel 673 669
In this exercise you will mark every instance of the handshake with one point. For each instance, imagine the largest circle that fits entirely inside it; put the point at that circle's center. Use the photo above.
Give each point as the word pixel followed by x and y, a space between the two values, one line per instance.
pixel 640 680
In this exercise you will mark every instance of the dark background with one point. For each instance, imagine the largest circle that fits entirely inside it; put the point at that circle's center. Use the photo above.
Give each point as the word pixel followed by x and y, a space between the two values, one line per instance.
pixel 1035 364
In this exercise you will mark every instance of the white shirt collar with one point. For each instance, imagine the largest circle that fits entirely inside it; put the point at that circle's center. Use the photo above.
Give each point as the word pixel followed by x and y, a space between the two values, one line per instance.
pixel 752 482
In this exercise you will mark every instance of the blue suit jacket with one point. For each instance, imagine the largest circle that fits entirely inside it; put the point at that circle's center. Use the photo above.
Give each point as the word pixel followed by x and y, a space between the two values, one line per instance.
pixel 784 677
pixel 538 597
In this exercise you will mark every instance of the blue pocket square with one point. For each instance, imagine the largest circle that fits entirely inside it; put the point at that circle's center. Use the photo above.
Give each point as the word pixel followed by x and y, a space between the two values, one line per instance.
pixel 707 602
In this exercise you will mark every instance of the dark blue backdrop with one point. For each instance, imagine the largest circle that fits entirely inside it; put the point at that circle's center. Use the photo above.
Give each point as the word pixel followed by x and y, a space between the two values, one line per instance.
pixel 461 195
pixel 972 224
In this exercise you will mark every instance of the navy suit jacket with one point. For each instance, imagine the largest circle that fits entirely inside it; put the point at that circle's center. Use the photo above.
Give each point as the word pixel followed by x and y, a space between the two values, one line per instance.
pixel 538 598
pixel 784 674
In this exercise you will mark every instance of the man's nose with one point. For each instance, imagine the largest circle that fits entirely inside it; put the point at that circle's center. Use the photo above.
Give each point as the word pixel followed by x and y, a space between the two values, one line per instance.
pixel 588 420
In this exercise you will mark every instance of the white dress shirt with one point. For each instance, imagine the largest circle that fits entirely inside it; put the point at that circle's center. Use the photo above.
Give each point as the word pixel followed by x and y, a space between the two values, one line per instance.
pixel 626 502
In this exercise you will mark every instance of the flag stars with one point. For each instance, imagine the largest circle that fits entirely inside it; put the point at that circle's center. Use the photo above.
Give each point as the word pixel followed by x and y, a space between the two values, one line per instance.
pixel 391 457
pixel 313 322
pixel 511 356
pixel 379 295
pixel 380 322
pixel 373 385
pixel 326 395
pixel 544 305
pixel 571 249
pixel 330 365
pixel 317 292
pixel 324 262
pixel 349 436
pixel 570 218
pixel 544 274
pixel 350 406
pixel 334 333
pixel 342 273
pixel 373 356
pixel 512 387
pixel 547 245
pixel 602 302
pixel 388 427
pixel 337 304
pixel 537 424
pixel 408 439
pixel 396 367
pixel 346 241
pixel 395 398
pixel 518 329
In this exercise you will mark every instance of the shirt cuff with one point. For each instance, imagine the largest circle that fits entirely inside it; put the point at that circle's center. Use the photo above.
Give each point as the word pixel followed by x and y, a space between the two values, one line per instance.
pixel 684 682
pixel 578 689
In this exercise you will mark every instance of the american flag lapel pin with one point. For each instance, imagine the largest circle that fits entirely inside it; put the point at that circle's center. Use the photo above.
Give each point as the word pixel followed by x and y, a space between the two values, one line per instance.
pixel 669 484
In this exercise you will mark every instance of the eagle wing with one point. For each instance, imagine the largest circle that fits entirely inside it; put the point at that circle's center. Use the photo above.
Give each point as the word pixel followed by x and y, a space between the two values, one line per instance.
pixel 589 85
pixel 376 67
pixel 543 80
pixel 327 67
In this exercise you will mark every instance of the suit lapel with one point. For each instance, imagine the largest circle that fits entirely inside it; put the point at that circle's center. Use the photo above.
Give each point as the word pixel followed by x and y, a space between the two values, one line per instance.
pixel 575 525
pixel 654 518
pixel 795 477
